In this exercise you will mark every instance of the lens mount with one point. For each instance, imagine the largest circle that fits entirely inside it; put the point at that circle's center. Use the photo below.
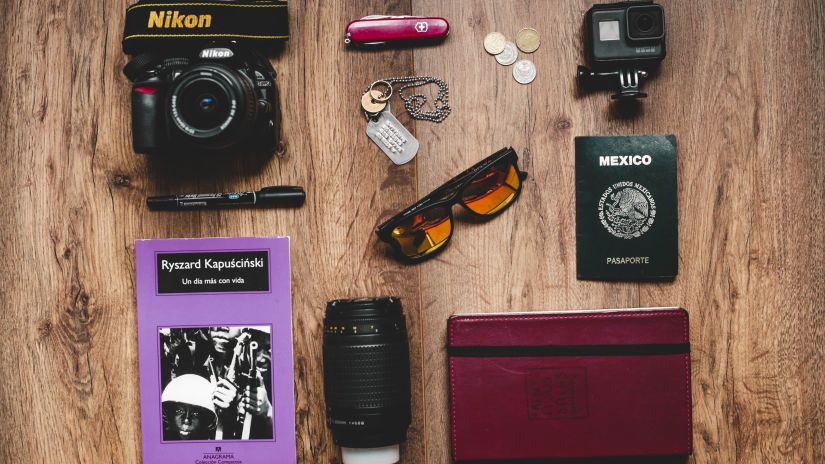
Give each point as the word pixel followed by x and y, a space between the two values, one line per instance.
pixel 363 308
pixel 213 105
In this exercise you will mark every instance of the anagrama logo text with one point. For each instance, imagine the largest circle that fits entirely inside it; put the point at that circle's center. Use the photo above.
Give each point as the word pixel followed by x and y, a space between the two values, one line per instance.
pixel 174 19
pixel 629 160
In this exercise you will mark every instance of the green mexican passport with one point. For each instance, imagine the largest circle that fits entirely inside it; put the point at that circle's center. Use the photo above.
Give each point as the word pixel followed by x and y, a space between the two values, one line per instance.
pixel 626 217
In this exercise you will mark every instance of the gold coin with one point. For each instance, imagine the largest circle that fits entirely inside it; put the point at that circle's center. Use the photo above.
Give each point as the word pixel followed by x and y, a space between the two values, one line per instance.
pixel 528 40
pixel 369 104
pixel 494 43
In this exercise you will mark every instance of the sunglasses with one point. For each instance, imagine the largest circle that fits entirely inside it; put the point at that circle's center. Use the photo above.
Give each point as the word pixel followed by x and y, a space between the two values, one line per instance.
pixel 485 191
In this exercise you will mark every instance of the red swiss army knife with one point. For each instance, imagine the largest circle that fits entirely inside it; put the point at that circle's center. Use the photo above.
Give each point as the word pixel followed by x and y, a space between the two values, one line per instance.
pixel 386 30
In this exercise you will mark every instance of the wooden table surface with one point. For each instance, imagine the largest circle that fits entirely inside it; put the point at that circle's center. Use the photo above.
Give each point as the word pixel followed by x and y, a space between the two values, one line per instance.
pixel 743 90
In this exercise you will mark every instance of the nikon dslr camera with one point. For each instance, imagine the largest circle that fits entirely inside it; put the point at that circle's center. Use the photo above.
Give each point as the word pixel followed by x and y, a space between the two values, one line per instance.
pixel 212 98
pixel 625 43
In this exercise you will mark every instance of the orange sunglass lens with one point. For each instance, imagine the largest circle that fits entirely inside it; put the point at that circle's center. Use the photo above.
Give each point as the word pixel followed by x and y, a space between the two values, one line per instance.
pixel 492 190
pixel 424 232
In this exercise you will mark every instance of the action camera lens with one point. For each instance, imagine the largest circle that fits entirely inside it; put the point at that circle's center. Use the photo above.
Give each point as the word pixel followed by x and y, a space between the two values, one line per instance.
pixel 644 22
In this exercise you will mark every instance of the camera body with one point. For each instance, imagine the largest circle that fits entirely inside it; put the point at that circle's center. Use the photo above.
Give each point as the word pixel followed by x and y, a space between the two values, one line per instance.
pixel 631 33
pixel 625 42
pixel 216 97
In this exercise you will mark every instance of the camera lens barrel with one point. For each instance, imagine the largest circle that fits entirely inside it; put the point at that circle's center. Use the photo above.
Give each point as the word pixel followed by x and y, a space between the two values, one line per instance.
pixel 213 105
pixel 366 372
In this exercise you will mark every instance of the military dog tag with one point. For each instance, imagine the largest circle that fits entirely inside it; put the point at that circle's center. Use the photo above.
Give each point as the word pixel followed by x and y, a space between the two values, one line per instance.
pixel 392 137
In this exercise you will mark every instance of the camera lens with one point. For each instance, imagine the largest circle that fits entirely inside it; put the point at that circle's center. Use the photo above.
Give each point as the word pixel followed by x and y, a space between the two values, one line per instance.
pixel 645 22
pixel 205 104
pixel 367 377
pixel 213 105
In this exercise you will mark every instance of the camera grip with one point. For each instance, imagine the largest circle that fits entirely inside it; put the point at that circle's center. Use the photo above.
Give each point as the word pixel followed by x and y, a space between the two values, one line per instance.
pixel 147 130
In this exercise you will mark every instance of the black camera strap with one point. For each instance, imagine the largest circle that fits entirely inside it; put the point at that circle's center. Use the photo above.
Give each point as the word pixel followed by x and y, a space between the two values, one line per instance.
pixel 151 25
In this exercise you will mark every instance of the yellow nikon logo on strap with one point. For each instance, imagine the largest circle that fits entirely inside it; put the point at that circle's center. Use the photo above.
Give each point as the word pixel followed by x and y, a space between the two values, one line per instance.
pixel 173 19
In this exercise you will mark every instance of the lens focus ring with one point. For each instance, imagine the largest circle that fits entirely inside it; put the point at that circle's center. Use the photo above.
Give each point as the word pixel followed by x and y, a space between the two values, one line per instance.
pixel 366 376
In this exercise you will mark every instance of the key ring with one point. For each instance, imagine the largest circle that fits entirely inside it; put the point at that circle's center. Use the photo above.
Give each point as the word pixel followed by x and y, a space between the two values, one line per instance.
pixel 414 104
pixel 385 96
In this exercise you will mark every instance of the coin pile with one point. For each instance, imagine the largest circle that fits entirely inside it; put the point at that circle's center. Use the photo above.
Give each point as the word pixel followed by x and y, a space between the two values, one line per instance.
pixel 506 52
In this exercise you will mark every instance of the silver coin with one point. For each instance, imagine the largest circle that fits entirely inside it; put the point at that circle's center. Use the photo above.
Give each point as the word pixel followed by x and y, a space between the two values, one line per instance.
pixel 524 72
pixel 509 55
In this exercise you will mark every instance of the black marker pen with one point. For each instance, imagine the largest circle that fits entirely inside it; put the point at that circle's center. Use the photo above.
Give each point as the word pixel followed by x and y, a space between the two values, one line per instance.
pixel 280 196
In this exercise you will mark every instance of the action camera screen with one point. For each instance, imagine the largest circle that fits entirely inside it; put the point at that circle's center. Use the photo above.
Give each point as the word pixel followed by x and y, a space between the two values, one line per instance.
pixel 608 30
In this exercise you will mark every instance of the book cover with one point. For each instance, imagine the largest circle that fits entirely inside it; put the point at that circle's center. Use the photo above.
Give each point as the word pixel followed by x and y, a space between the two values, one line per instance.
pixel 215 351
pixel 626 216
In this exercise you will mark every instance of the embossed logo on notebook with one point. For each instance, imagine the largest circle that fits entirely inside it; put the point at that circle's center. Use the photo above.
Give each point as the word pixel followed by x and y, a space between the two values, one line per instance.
pixel 559 393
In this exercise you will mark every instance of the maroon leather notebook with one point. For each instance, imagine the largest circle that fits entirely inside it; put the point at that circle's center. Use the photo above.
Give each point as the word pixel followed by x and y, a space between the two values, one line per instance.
pixel 610 383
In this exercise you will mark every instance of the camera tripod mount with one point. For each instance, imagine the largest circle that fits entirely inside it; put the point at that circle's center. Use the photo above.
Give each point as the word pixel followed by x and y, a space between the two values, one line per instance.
pixel 627 81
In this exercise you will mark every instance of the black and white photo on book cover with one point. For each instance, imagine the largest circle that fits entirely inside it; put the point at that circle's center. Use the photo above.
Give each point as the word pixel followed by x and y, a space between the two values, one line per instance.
pixel 216 383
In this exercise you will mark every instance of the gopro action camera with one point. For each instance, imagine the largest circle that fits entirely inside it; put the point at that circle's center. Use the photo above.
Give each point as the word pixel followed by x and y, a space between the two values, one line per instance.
pixel 625 42
pixel 212 98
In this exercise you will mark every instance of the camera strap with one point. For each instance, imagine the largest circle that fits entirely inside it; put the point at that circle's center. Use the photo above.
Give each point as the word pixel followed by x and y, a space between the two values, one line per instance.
pixel 151 25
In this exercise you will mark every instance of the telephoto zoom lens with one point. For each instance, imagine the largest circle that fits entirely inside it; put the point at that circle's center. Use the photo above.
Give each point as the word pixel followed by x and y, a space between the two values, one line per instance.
pixel 367 378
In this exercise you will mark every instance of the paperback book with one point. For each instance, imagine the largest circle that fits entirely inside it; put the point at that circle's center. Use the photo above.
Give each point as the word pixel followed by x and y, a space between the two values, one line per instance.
pixel 215 350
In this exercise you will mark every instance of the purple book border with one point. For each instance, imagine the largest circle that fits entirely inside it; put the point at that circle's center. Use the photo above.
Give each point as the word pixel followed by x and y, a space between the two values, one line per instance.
pixel 215 309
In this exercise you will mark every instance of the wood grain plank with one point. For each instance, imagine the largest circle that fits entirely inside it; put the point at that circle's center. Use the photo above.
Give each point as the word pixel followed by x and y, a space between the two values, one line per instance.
pixel 739 212
pixel 66 324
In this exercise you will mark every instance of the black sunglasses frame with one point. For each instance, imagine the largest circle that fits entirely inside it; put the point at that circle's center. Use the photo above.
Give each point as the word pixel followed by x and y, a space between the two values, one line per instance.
pixel 447 196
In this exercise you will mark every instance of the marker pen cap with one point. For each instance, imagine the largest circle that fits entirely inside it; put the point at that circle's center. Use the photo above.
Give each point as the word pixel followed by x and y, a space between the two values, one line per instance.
pixel 284 195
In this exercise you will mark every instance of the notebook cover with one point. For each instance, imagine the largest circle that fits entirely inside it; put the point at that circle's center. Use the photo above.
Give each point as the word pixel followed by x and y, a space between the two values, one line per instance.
pixel 611 383
pixel 626 212
pixel 199 302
